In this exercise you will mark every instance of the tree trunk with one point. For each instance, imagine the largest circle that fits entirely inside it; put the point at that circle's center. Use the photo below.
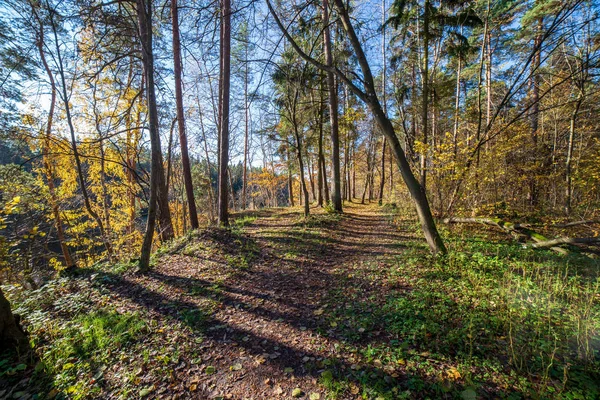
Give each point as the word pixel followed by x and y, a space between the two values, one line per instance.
pixel 568 176
pixel 224 108
pixel 336 196
pixel 320 171
pixel 382 183
pixel 532 196
pixel 157 177
pixel 185 158
pixel 301 168
pixel 425 99
pixel 11 334
pixel 246 134
pixel 384 100
pixel 290 181
pixel 456 106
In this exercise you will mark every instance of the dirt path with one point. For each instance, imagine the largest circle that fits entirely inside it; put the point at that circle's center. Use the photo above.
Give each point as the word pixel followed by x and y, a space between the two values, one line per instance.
pixel 268 334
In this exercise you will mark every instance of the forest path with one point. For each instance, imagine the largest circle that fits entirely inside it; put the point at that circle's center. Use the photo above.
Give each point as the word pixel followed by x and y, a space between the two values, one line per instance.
pixel 269 329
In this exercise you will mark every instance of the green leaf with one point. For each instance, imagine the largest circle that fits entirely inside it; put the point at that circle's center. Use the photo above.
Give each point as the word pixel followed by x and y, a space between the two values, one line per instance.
pixel 210 370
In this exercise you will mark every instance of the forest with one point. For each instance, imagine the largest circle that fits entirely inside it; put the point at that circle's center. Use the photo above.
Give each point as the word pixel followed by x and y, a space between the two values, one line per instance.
pixel 313 199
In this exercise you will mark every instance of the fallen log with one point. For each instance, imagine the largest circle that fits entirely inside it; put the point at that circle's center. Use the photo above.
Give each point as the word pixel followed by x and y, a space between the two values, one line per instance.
pixel 517 230
pixel 565 240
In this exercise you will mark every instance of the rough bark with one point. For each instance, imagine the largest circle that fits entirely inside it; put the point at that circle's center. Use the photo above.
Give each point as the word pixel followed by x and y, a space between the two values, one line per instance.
pixel 157 177
pixel 185 158
pixel 246 134
pixel 336 195
pixel 568 162
pixel 425 94
pixel 223 200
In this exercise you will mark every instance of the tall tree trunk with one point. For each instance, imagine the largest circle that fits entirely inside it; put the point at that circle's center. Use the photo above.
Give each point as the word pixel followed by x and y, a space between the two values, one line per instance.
pixel 310 175
pixel 185 158
pixel 290 180
pixel 425 99
pixel 532 196
pixel 246 134
pixel 301 168
pixel 336 196
pixel 382 182
pixel 60 233
pixel 231 191
pixel 320 171
pixel 223 199
pixel 456 106
pixel 78 166
pixel 157 176
pixel 384 100
pixel 571 146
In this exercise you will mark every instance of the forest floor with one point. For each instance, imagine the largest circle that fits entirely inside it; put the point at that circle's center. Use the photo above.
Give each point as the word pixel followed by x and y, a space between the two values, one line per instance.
pixel 337 306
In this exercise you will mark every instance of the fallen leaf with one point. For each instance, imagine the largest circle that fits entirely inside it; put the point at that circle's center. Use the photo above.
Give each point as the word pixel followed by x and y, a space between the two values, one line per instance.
pixel 453 373
pixel 296 393
pixel 210 370
pixel 236 367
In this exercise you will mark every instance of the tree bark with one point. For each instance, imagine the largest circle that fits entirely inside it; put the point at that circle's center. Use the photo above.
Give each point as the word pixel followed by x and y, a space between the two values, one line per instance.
pixel 223 199
pixel 535 108
pixel 336 196
pixel 290 180
pixel 301 168
pixel 320 171
pixel 570 147
pixel 185 158
pixel 246 134
pixel 425 99
pixel 157 177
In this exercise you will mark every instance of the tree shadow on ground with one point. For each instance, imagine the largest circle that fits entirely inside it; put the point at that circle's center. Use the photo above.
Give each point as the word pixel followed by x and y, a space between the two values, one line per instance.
pixel 224 334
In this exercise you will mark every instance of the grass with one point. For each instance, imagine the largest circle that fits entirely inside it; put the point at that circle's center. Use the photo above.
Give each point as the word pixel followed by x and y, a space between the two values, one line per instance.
pixel 490 317
pixel 79 334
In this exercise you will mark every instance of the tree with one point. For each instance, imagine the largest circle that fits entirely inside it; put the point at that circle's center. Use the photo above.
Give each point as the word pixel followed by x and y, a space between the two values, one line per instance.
pixel 336 194
pixel 225 82
pixel 185 158
pixel 158 187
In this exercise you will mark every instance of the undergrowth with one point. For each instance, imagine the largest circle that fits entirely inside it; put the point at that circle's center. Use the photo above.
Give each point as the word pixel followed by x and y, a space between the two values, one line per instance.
pixel 489 320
